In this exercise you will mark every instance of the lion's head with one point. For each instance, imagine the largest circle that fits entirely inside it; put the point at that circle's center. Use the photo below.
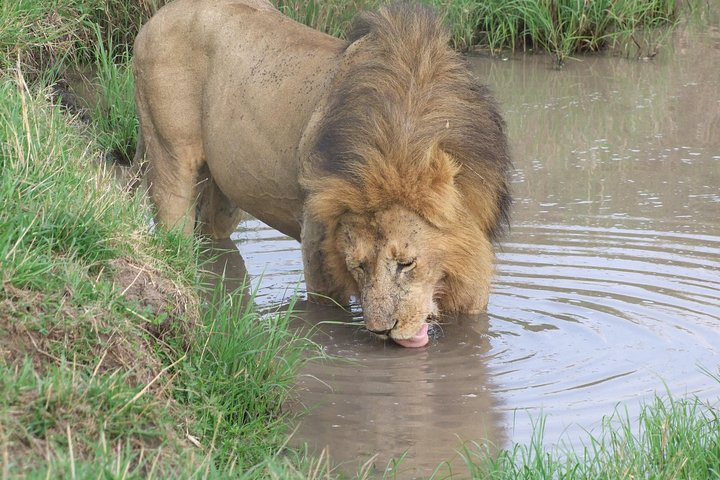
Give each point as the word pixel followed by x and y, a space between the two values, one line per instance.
pixel 393 258
pixel 409 176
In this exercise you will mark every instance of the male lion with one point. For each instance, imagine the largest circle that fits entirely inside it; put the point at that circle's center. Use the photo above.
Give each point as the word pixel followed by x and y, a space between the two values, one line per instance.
pixel 382 155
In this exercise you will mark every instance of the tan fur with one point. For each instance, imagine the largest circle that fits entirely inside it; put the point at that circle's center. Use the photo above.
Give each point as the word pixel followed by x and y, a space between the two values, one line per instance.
pixel 378 151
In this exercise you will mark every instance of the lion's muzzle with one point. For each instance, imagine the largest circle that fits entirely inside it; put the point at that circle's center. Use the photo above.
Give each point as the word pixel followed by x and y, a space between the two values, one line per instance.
pixel 381 331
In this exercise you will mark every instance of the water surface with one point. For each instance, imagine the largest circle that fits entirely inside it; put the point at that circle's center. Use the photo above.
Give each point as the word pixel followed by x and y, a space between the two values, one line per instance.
pixel 607 286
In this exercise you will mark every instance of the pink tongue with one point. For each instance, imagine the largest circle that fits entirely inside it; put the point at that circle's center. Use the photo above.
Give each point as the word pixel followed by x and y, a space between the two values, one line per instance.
pixel 420 339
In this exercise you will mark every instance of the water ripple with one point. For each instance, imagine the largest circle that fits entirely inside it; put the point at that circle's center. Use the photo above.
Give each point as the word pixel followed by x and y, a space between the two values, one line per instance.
pixel 580 320
pixel 584 318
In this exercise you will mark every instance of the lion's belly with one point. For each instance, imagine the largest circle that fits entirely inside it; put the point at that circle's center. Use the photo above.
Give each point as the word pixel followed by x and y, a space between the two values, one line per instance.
pixel 251 141
pixel 257 174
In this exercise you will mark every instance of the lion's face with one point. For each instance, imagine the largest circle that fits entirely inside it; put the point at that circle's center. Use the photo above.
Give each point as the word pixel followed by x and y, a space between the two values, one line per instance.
pixel 395 259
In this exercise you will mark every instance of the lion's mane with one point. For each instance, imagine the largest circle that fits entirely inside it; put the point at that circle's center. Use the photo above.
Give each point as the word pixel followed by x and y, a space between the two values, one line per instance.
pixel 407 124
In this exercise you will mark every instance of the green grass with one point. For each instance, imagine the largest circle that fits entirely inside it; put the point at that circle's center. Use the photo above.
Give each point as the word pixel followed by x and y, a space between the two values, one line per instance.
pixel 51 40
pixel 330 16
pixel 559 27
pixel 70 339
pixel 108 368
pixel 671 439
pixel 43 33
pixel 38 35
pixel 114 119
pixel 236 382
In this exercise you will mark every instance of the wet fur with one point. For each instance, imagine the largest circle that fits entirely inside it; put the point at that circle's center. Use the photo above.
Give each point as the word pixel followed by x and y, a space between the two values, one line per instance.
pixel 408 125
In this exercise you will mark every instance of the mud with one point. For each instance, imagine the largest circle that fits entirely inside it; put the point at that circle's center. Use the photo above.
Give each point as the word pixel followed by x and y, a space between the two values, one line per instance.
pixel 607 287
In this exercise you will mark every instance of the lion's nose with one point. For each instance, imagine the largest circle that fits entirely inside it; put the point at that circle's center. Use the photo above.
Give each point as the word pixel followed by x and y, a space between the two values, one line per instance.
pixel 383 331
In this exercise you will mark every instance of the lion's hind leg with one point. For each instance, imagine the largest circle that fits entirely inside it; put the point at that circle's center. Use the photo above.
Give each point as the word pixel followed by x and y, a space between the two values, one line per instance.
pixel 170 114
pixel 172 178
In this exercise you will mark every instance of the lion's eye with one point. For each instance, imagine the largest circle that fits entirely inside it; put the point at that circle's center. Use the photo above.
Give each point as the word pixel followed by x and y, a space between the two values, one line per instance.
pixel 359 268
pixel 405 265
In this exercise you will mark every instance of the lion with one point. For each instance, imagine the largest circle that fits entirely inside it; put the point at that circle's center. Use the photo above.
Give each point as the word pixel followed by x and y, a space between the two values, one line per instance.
pixel 381 154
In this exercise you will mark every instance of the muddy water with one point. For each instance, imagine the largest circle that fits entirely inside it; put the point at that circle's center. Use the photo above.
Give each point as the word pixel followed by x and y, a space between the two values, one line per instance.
pixel 607 289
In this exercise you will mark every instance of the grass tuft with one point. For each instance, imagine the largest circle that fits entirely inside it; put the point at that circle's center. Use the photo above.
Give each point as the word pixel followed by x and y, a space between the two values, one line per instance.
pixel 114 118
pixel 678 439
pixel 247 365
pixel 566 27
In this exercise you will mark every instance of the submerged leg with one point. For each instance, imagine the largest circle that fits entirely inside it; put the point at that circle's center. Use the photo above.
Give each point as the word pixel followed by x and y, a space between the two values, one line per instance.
pixel 319 285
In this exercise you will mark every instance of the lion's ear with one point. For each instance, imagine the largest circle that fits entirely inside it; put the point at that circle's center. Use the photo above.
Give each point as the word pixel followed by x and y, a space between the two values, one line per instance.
pixel 443 167
pixel 439 201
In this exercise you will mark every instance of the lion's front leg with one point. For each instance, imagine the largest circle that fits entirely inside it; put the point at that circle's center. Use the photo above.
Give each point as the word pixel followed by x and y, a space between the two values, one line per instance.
pixel 469 293
pixel 319 284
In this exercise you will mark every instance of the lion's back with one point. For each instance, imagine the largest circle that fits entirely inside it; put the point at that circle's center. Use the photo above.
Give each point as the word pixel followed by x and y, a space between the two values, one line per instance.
pixel 217 81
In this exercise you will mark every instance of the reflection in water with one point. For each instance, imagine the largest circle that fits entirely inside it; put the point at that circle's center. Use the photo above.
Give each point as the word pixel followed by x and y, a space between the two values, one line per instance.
pixel 607 288
pixel 607 141
pixel 223 261
pixel 387 401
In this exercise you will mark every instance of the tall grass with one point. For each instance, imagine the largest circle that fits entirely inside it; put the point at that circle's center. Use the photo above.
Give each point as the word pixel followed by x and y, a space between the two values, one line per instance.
pixel 237 381
pixel 38 145
pixel 565 27
pixel 114 118
pixel 50 40
pixel 39 35
pixel 560 27
pixel 670 439
pixel 330 16
pixel 70 336
pixel 119 20
pixel 42 35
